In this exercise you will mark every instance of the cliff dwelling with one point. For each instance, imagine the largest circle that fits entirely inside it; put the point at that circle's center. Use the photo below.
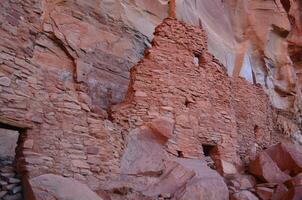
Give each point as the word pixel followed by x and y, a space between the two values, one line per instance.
pixel 150 100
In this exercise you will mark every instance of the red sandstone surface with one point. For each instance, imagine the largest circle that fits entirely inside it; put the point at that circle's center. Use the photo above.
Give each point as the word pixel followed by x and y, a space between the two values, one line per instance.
pixel 105 113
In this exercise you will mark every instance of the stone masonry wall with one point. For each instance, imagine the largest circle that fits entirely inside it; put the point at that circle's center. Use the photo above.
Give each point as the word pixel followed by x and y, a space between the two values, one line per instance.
pixel 58 75
pixel 254 117
pixel 67 130
pixel 180 80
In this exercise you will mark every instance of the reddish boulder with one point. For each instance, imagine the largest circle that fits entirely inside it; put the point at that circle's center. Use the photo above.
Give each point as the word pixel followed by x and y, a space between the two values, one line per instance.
pixel 163 126
pixel 242 182
pixel 287 156
pixel 174 177
pixel 266 169
pixel 225 168
pixel 206 184
pixel 182 178
pixel 293 194
pixel 144 153
pixel 279 192
pixel 147 169
pixel 50 187
pixel 294 182
pixel 264 193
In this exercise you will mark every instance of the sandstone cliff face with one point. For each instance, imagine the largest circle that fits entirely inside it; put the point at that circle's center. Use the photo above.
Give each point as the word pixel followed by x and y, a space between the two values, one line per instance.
pixel 257 39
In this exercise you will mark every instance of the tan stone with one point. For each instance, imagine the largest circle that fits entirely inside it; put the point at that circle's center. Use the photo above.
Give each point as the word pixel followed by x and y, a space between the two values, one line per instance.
pixel 5 81
pixel 29 143
pixel 80 164
pixel 49 186
pixel 92 150
pixel 140 94
pixel 226 168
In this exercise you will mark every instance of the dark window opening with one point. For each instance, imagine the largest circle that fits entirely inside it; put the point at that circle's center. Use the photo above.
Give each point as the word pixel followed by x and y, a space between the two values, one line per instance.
pixel 10 181
pixel 196 59
pixel 187 102
pixel 256 129
pixel 180 154
pixel 207 149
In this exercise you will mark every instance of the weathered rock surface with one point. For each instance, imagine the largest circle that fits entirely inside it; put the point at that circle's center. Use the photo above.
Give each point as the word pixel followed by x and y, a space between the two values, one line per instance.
pixel 264 193
pixel 295 181
pixel 206 184
pixel 146 168
pixel 266 169
pixel 287 157
pixel 254 35
pixel 163 127
pixel 50 186
pixel 279 192
pixel 293 194
pixel 276 177
pixel 241 182
pixel 144 153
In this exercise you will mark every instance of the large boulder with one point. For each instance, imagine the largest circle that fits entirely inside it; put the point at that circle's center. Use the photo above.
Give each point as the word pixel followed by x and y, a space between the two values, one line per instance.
pixel 174 177
pixel 163 126
pixel 206 184
pixel 147 168
pixel 279 191
pixel 144 153
pixel 294 182
pixel 264 193
pixel 241 182
pixel 267 170
pixel 287 156
pixel 293 194
pixel 225 168
pixel 54 187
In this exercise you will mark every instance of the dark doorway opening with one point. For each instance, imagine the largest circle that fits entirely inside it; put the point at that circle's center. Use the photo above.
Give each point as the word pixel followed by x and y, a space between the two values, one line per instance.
pixel 207 149
pixel 10 182
pixel 180 154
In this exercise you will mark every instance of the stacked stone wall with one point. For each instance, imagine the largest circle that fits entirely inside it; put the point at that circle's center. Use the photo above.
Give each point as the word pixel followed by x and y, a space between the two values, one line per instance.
pixel 179 79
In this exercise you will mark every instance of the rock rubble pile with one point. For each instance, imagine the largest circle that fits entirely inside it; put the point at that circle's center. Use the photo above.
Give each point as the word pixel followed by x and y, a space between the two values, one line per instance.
pixel 10 184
